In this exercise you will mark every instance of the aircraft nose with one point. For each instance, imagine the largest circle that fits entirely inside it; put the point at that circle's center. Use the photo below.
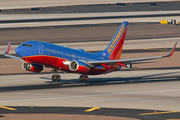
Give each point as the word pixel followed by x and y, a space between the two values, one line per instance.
pixel 18 50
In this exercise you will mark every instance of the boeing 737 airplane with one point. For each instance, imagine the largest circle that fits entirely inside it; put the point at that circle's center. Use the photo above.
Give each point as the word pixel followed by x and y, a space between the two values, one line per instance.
pixel 36 54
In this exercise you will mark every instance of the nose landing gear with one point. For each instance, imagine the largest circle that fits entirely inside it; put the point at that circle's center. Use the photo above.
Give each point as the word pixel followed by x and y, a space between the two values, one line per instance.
pixel 56 77
pixel 83 78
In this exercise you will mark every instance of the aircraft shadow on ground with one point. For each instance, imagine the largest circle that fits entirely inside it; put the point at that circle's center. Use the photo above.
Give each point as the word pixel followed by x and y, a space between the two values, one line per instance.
pixel 94 82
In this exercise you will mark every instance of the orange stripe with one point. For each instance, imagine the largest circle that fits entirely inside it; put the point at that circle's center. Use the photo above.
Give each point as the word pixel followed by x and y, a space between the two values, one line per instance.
pixel 118 56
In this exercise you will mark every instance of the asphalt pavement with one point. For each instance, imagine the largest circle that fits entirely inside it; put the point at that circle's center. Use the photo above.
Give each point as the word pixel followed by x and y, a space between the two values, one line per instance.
pixel 95 8
pixel 86 33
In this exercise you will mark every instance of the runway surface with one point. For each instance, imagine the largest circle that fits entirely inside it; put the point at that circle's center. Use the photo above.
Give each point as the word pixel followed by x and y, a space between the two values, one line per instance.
pixel 10 4
pixel 154 94
pixel 67 113
pixel 90 14
pixel 31 18
pixel 129 7
pixel 148 91
pixel 154 89
pixel 86 33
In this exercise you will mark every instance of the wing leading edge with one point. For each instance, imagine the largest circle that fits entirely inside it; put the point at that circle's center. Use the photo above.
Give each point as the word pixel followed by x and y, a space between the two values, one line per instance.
pixel 125 61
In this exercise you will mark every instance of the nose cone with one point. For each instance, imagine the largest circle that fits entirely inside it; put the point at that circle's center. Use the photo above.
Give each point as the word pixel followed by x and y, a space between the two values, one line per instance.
pixel 18 51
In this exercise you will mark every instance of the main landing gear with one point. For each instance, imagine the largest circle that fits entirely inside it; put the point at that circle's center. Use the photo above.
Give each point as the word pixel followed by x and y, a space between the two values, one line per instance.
pixel 56 77
pixel 83 78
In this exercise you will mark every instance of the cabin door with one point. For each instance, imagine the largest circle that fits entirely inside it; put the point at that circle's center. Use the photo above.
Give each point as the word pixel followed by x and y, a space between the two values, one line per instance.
pixel 40 48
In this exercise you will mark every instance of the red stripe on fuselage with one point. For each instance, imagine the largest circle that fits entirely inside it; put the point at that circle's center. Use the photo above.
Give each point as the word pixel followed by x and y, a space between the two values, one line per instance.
pixel 50 61
pixel 57 63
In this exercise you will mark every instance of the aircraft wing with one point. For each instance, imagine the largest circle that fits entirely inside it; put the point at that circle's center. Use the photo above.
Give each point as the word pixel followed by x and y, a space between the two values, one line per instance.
pixel 130 61
pixel 7 52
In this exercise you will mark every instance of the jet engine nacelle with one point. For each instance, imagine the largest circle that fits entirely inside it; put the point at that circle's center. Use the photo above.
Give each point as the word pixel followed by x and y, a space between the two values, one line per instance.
pixel 79 66
pixel 32 67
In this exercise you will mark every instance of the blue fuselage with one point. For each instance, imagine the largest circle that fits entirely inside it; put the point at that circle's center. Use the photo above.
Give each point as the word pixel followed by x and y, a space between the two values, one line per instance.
pixel 53 55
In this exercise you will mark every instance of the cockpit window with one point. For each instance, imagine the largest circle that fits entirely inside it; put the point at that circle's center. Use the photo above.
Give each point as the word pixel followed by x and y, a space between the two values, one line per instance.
pixel 28 45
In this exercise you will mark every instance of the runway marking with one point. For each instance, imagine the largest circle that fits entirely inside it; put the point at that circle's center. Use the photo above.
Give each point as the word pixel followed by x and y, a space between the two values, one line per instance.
pixel 7 108
pixel 111 94
pixel 92 109
pixel 157 113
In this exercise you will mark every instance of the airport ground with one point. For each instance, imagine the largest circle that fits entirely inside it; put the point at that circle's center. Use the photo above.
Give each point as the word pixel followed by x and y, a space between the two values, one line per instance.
pixel 147 91
pixel 144 89
pixel 87 33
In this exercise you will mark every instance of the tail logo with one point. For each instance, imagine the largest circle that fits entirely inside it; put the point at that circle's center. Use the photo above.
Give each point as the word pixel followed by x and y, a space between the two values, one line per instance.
pixel 116 38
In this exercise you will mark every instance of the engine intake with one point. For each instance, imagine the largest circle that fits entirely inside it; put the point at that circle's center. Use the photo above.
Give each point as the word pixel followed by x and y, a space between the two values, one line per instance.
pixel 79 66
pixel 32 67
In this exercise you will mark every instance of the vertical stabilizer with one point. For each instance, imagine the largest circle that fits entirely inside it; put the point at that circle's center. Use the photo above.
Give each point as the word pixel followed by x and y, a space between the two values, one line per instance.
pixel 114 49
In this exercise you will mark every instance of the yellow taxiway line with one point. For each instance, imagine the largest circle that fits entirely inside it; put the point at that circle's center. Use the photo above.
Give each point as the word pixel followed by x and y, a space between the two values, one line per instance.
pixel 92 109
pixel 157 113
pixel 7 108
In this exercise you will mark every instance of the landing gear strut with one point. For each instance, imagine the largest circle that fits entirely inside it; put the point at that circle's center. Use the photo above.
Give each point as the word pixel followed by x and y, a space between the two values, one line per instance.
pixel 56 77
pixel 83 78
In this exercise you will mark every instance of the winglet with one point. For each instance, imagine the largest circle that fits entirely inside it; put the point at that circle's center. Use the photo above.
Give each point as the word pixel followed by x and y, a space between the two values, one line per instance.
pixel 7 52
pixel 8 48
pixel 172 51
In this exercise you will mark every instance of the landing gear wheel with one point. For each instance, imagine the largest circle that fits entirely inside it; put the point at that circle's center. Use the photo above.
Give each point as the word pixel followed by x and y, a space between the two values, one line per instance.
pixel 53 78
pixel 83 78
pixel 56 78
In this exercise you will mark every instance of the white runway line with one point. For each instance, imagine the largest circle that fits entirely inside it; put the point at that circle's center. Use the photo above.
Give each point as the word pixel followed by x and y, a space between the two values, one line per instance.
pixel 82 96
